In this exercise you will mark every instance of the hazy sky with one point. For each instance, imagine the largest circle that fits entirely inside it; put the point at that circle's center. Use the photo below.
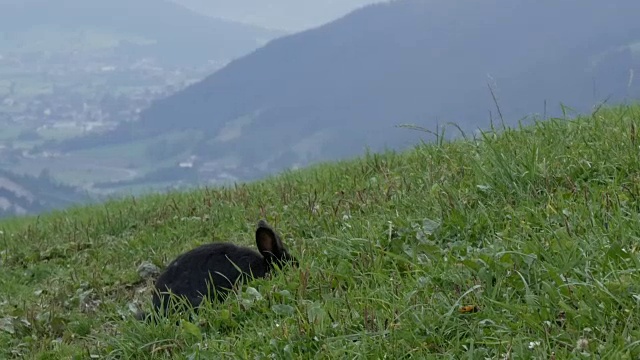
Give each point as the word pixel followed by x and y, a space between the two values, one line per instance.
pixel 290 15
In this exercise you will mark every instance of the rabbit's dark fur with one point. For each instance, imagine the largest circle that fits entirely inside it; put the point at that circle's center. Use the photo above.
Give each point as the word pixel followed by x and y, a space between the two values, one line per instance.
pixel 191 273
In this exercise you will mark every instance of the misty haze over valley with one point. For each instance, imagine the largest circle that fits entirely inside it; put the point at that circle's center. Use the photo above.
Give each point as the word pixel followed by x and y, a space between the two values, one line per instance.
pixel 108 98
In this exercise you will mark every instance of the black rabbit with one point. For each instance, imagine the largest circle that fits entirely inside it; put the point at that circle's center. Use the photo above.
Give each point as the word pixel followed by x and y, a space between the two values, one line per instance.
pixel 190 275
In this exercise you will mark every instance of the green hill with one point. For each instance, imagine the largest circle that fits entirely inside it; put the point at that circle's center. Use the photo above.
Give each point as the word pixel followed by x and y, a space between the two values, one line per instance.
pixel 537 227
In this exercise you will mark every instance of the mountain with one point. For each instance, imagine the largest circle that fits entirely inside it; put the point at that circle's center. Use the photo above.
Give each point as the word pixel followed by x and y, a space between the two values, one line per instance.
pixel 29 195
pixel 157 28
pixel 329 92
pixel 291 15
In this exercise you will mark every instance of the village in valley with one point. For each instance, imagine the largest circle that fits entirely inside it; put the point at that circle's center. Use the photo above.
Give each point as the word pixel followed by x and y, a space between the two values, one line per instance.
pixel 45 98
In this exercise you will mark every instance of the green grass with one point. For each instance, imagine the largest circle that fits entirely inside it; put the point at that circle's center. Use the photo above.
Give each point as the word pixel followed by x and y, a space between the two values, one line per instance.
pixel 27 85
pixel 104 163
pixel 60 133
pixel 538 227
pixel 10 131
pixel 134 152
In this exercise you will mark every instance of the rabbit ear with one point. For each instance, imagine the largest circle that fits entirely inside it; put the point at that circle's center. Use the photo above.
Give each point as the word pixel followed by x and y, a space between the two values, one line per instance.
pixel 268 241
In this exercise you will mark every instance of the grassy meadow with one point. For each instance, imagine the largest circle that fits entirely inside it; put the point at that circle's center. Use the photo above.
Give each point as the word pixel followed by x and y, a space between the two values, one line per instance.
pixel 535 229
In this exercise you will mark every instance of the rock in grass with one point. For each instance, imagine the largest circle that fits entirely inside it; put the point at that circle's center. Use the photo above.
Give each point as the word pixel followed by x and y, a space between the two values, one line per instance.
pixel 148 270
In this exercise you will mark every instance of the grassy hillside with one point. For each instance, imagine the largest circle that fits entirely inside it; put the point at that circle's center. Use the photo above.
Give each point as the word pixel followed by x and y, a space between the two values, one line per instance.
pixel 537 227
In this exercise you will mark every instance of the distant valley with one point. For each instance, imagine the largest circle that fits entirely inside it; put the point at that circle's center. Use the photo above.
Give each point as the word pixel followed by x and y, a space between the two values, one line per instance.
pixel 72 68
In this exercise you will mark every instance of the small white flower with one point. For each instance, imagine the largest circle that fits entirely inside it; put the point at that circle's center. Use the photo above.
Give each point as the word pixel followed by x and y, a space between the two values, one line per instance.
pixel 582 344
pixel 533 344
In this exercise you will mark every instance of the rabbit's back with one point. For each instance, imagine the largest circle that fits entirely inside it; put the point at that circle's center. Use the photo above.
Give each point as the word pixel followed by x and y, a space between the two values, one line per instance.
pixel 189 274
